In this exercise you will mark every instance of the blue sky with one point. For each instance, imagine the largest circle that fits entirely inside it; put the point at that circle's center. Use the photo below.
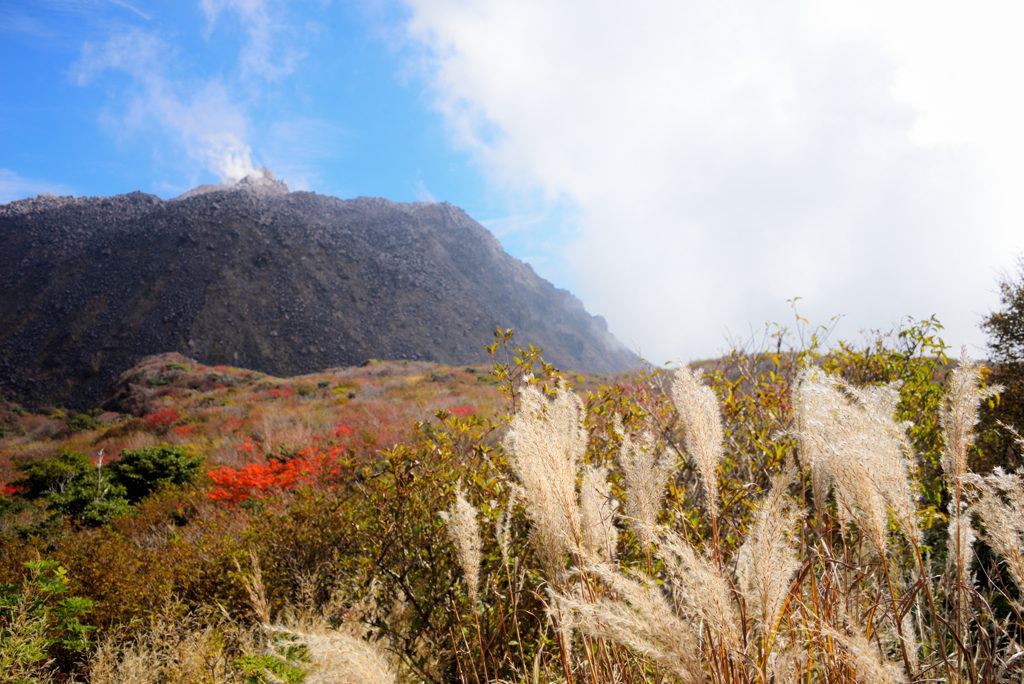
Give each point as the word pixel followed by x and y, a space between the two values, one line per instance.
pixel 685 168
pixel 327 101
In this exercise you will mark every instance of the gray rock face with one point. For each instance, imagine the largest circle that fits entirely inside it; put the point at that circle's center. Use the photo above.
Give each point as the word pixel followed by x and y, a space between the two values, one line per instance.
pixel 256 276
pixel 260 182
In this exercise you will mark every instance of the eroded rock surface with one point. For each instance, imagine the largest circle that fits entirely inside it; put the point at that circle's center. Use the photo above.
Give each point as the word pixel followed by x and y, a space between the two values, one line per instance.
pixel 256 276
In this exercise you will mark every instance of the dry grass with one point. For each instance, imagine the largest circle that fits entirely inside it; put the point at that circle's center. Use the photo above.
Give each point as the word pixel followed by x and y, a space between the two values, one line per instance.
pixel 835 587
pixel 465 534
pixel 849 599
pixel 546 442
pixel 177 646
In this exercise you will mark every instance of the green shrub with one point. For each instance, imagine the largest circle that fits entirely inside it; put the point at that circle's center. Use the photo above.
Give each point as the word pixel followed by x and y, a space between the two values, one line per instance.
pixel 9 430
pixel 142 471
pixel 72 488
pixel 282 664
pixel 83 422
pixel 41 632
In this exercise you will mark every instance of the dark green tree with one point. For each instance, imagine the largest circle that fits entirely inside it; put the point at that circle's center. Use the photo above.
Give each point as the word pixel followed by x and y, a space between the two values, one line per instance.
pixel 1005 329
pixel 143 471
pixel 72 486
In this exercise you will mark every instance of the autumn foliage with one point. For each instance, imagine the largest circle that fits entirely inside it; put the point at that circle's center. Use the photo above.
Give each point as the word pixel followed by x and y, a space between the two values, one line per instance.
pixel 275 475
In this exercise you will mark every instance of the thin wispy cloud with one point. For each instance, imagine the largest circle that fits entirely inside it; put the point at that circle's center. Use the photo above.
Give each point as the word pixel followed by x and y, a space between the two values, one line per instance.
pixel 210 126
pixel 509 225
pixel 15 187
pixel 270 51
pixel 208 118
pixel 131 8
pixel 423 194
pixel 722 158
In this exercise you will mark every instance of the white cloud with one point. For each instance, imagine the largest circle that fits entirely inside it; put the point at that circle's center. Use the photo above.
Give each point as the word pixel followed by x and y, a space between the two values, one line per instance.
pixel 15 187
pixel 423 194
pixel 132 8
pixel 268 53
pixel 723 157
pixel 297 150
pixel 510 225
pixel 202 116
pixel 207 117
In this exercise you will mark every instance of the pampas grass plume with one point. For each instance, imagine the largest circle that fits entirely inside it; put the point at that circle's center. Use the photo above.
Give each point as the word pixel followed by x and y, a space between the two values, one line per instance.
pixel 464 531
pixel 546 442
pixel 644 477
pixel 698 408
pixel 597 512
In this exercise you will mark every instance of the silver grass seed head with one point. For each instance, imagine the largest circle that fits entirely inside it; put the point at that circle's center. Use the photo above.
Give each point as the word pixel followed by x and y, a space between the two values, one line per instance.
pixel 464 531
pixel 768 558
pixel 863 657
pixel 852 442
pixel 1000 503
pixel 644 477
pixel 960 415
pixel 698 407
pixel 546 442
pixel 639 617
pixel 704 591
pixel 339 658
pixel 597 512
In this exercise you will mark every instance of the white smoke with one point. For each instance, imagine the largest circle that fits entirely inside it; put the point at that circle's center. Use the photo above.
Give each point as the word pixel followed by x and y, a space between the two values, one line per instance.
pixel 229 158
pixel 204 117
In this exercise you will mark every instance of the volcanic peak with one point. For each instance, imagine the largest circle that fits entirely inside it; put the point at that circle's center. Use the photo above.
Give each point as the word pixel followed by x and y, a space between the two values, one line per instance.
pixel 259 182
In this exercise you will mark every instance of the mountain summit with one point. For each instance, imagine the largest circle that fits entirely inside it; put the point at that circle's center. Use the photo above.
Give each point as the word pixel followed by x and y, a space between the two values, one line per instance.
pixel 260 182
pixel 254 275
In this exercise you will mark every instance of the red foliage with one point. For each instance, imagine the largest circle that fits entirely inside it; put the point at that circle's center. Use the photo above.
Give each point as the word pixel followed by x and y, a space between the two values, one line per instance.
pixel 256 480
pixel 342 430
pixel 162 419
pixel 463 411
pixel 10 489
pixel 187 430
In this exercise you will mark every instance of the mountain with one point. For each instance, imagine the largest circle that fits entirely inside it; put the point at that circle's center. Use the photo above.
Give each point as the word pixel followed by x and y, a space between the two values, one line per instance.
pixel 254 275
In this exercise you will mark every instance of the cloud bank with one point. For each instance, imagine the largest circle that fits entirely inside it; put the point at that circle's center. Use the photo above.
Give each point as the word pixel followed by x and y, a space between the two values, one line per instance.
pixel 722 158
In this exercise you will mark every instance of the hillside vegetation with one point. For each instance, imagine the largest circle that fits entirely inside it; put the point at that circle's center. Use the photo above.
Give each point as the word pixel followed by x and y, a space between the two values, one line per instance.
pixel 781 514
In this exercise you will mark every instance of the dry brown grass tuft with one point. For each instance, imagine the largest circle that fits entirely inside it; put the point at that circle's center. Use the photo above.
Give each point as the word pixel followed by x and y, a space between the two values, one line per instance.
pixel 176 647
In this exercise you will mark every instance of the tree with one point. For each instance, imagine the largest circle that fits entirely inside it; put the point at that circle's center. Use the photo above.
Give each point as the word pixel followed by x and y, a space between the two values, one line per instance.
pixel 74 486
pixel 1005 329
pixel 143 471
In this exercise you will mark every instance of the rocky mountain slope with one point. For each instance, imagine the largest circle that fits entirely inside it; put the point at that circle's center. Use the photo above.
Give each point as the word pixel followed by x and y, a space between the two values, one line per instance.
pixel 256 276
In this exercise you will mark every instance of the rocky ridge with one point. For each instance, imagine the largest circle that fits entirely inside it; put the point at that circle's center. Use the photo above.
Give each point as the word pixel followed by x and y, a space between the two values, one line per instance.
pixel 254 275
